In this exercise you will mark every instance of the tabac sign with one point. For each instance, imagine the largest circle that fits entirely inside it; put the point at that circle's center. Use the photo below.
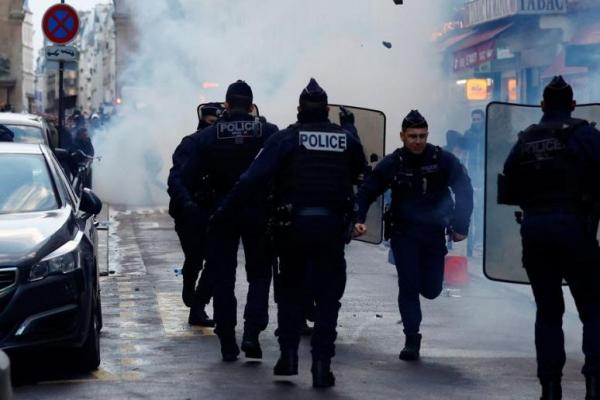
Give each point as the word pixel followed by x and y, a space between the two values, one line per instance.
pixel 481 11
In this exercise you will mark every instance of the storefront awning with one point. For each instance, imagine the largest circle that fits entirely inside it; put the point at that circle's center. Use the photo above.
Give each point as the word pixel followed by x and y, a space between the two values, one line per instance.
pixel 559 67
pixel 482 37
pixel 451 41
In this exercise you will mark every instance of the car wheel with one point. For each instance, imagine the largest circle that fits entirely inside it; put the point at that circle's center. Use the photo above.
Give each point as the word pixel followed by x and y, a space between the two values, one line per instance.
pixel 89 354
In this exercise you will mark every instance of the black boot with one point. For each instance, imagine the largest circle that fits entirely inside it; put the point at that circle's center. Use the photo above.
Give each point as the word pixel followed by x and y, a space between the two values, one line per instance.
pixel 322 375
pixel 551 390
pixel 189 289
pixel 287 365
pixel 592 384
pixel 251 345
pixel 229 348
pixel 411 349
pixel 199 317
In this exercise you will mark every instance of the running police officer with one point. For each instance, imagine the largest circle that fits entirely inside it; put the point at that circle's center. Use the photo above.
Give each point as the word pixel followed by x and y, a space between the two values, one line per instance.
pixel 313 165
pixel 420 176
pixel 221 153
pixel 553 174
pixel 190 225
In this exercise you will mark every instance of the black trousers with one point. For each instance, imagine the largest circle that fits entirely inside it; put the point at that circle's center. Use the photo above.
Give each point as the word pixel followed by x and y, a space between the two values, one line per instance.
pixel 419 253
pixel 193 244
pixel 223 242
pixel 561 247
pixel 316 243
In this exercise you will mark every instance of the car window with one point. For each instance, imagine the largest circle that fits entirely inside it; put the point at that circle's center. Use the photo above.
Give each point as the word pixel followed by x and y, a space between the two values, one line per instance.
pixel 25 184
pixel 27 134
pixel 64 181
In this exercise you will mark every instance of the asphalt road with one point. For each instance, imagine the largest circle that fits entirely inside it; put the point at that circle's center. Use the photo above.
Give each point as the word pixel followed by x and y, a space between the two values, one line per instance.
pixel 477 342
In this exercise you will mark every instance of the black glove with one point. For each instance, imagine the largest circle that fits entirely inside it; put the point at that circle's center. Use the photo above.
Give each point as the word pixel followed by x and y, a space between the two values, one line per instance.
pixel 346 116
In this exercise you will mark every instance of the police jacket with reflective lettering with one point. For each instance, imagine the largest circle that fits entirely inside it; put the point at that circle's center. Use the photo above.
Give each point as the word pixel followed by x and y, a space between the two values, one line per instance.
pixel 555 165
pixel 224 151
pixel 420 186
pixel 309 165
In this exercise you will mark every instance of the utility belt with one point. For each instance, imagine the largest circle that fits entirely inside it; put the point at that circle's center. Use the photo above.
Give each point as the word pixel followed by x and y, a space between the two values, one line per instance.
pixel 392 223
pixel 588 212
pixel 283 215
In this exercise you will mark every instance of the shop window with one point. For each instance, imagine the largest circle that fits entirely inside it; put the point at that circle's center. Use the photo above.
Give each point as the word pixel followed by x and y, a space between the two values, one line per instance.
pixel 512 88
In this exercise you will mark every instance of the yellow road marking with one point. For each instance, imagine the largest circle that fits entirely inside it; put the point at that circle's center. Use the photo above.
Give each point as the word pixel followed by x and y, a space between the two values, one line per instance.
pixel 174 316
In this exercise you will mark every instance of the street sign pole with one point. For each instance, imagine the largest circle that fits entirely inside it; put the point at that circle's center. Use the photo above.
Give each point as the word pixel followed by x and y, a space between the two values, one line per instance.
pixel 61 97
pixel 60 25
pixel 61 94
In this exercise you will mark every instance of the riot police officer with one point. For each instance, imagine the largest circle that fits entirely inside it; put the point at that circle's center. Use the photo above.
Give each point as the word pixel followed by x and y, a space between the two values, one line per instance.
pixel 220 154
pixel 190 225
pixel 553 174
pixel 313 165
pixel 422 210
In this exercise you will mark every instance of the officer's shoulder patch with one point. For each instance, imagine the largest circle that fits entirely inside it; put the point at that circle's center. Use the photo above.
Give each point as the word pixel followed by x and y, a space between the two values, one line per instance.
pixel 324 141
pixel 239 129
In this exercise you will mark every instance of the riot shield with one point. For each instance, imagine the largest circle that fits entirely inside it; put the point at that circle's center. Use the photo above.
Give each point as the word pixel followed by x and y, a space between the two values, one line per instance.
pixel 370 125
pixel 255 111
pixel 502 238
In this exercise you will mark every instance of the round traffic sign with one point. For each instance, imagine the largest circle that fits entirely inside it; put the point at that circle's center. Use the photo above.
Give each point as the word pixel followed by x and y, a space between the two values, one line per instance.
pixel 60 23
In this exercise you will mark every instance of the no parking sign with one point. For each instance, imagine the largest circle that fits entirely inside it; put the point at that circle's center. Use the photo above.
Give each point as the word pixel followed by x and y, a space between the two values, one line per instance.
pixel 60 23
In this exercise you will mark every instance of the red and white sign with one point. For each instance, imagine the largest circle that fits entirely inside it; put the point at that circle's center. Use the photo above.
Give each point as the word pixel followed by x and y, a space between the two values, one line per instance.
pixel 60 24
pixel 474 56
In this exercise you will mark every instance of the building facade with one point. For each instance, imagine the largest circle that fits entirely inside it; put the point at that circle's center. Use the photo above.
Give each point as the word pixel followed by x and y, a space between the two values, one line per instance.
pixel 16 56
pixel 508 50
pixel 126 42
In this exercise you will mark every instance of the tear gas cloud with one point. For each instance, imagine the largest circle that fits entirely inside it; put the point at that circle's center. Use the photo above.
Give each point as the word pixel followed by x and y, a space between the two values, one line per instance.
pixel 276 46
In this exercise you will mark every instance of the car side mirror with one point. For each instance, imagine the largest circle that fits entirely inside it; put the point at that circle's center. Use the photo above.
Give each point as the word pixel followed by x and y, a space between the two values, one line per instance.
pixel 90 203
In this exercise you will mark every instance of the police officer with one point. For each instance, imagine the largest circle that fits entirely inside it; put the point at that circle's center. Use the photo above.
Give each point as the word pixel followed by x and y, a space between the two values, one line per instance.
pixel 553 174
pixel 313 165
pixel 420 177
pixel 221 153
pixel 190 224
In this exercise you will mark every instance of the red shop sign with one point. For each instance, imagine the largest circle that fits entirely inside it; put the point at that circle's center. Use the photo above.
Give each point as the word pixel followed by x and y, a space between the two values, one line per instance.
pixel 474 56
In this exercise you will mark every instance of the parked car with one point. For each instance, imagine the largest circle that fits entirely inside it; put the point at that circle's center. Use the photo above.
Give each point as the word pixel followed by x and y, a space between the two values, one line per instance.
pixel 29 128
pixel 49 286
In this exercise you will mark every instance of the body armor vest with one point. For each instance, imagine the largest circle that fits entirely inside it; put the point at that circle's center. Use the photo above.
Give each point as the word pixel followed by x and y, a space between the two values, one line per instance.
pixel 238 141
pixel 420 189
pixel 548 173
pixel 317 173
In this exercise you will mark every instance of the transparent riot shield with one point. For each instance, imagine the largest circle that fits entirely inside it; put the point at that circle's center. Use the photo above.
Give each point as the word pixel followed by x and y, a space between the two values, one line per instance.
pixel 502 239
pixel 255 111
pixel 370 125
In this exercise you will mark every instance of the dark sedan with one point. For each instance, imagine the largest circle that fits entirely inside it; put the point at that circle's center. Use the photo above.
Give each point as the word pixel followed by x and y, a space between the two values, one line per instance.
pixel 49 287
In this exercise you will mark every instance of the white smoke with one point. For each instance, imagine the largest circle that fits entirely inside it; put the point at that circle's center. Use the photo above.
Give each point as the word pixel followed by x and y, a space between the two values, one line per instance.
pixel 276 46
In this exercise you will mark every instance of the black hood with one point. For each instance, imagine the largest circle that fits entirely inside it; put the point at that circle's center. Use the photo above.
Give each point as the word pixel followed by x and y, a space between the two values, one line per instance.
pixel 28 237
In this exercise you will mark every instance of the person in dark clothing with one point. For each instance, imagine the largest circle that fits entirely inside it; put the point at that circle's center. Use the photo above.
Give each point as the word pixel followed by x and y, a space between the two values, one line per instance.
pixel 553 174
pixel 421 178
pixel 221 153
pixel 191 229
pixel 473 142
pixel 83 142
pixel 6 135
pixel 312 166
